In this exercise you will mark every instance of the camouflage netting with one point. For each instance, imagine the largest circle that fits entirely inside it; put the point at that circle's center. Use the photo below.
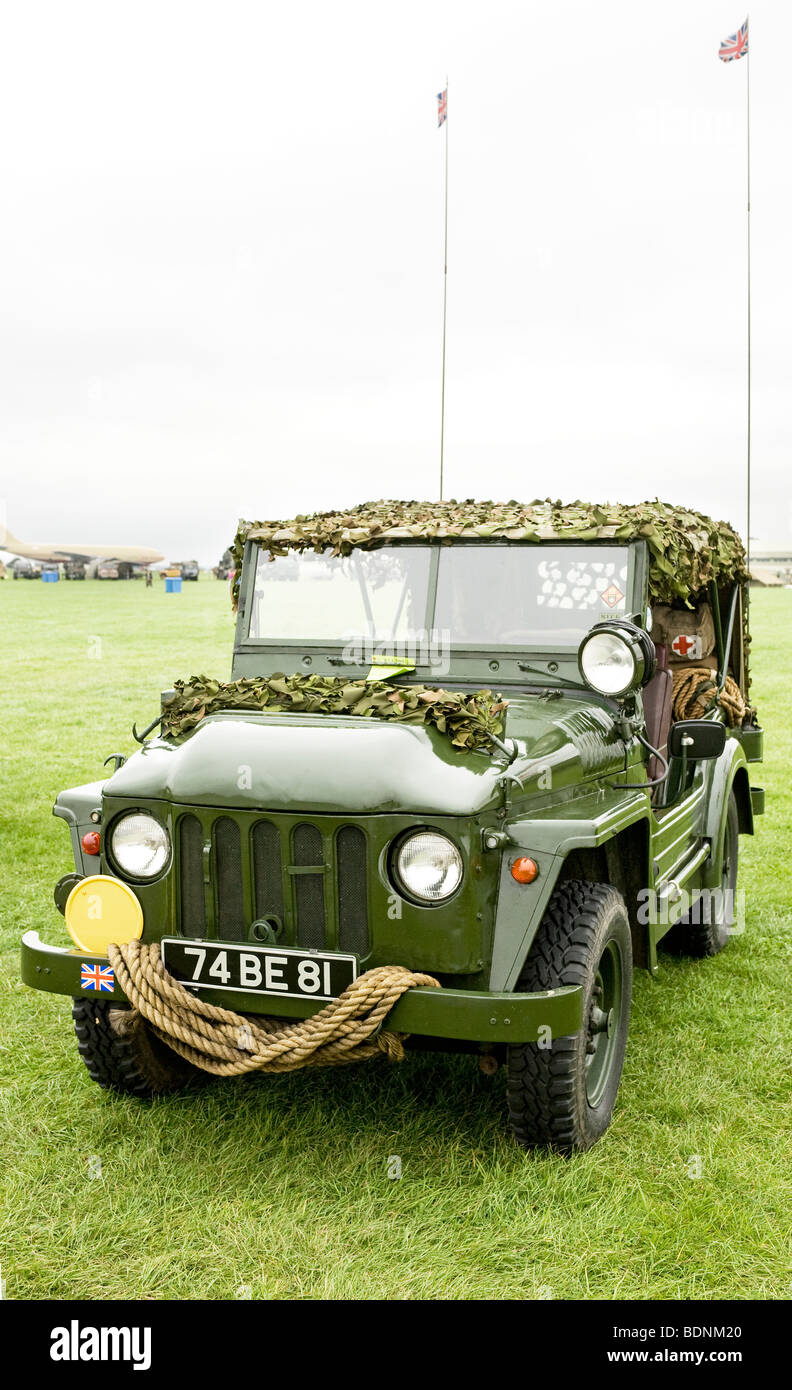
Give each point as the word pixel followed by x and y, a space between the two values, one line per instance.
pixel 686 548
pixel 468 720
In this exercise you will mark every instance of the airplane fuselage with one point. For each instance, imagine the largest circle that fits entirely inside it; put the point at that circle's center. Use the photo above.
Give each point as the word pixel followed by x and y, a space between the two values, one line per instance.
pixel 56 553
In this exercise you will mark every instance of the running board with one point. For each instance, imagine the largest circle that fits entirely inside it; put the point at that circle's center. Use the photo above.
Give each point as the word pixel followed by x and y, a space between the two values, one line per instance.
pixel 671 888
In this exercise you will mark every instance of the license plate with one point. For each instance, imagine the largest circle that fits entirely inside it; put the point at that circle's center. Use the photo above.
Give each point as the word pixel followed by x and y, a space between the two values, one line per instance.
pixel 258 969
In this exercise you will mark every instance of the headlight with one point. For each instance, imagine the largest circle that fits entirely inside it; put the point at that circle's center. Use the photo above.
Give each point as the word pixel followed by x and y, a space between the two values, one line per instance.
pixel 428 866
pixel 615 658
pixel 140 846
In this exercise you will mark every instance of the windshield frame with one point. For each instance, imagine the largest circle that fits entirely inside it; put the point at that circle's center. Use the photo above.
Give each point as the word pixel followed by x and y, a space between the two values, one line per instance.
pixel 264 656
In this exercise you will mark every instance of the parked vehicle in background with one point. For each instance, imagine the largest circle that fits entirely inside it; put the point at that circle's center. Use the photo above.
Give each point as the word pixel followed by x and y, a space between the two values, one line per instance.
pixel 74 569
pixel 225 568
pixel 189 569
pixel 25 569
pixel 116 569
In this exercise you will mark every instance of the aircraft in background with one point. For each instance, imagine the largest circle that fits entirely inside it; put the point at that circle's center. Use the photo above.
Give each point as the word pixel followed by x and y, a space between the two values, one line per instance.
pixel 57 553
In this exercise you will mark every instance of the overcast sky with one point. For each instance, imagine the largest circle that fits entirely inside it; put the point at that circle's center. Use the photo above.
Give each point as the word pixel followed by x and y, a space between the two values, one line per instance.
pixel 221 260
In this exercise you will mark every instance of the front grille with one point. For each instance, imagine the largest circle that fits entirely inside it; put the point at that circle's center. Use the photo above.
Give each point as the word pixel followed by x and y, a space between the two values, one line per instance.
pixel 309 881
pixel 309 888
pixel 193 907
pixel 228 877
pixel 353 933
pixel 267 870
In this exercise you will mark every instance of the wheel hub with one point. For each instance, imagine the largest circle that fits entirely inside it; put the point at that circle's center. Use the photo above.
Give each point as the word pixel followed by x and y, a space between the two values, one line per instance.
pixel 602 1022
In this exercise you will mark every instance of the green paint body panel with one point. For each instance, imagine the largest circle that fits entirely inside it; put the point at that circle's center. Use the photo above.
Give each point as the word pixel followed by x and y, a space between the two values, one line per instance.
pixel 75 807
pixel 561 799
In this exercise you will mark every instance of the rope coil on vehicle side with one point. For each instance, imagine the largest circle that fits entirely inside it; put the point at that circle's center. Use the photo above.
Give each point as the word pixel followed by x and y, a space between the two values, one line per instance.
pixel 226 1043
pixel 695 691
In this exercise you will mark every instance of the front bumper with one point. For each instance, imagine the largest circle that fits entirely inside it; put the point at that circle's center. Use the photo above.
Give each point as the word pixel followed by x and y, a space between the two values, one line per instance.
pixel 464 1015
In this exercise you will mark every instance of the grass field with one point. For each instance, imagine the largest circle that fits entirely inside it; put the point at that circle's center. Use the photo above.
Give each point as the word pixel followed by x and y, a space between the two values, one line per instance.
pixel 279 1187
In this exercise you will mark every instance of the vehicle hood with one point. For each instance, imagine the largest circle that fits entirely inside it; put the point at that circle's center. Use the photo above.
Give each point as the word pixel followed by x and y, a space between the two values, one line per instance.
pixel 342 764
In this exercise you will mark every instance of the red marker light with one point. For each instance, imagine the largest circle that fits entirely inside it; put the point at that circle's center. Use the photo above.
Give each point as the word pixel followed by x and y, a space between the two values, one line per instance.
pixel 524 870
pixel 90 842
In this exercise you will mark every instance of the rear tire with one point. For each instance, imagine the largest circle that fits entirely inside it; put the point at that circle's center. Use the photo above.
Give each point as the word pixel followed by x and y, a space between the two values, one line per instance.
pixel 694 936
pixel 562 1095
pixel 122 1053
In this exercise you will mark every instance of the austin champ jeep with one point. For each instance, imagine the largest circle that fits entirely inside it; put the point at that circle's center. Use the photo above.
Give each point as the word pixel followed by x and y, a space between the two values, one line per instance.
pixel 506 745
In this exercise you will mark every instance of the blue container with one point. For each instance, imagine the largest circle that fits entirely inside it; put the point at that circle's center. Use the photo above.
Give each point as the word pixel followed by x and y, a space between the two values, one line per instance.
pixel 173 586
pixel 49 576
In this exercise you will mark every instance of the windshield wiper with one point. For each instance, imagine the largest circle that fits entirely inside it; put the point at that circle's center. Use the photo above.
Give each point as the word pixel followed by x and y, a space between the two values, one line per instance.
pixel 550 676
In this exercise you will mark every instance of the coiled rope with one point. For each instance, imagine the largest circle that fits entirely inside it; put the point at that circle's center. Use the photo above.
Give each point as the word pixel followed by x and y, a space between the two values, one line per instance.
pixel 226 1043
pixel 695 690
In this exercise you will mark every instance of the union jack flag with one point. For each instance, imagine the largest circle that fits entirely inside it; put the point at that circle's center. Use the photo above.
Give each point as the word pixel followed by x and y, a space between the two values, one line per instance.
pixel 442 106
pixel 735 46
pixel 97 977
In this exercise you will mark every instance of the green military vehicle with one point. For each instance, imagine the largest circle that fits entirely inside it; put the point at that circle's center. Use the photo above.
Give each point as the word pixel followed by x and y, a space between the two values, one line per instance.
pixel 505 745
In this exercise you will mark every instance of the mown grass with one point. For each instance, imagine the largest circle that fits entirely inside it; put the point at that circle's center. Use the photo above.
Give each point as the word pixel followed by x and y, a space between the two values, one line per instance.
pixel 279 1187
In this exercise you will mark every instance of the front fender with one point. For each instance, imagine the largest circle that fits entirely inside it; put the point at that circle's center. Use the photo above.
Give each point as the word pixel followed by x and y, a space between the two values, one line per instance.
pixel 729 771
pixel 75 806
pixel 587 822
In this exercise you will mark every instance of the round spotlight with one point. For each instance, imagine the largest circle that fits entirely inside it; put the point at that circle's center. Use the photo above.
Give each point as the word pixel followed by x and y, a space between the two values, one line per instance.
pixel 100 909
pixel 615 658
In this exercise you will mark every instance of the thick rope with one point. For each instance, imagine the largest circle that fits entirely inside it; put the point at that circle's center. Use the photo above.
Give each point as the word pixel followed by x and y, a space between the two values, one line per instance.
pixel 228 1044
pixel 695 691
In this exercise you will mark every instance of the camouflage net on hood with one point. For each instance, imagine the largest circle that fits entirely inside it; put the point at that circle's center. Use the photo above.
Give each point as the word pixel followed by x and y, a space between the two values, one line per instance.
pixel 686 549
pixel 468 720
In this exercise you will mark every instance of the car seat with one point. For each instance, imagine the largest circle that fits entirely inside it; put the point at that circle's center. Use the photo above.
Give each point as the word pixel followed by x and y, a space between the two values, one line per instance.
pixel 657 711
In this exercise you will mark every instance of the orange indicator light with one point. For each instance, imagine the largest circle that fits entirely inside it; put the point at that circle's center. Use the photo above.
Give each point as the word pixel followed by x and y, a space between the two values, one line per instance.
pixel 524 870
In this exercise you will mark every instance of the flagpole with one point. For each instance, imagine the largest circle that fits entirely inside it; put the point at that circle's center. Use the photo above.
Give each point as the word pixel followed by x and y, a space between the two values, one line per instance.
pixel 748 222
pixel 445 295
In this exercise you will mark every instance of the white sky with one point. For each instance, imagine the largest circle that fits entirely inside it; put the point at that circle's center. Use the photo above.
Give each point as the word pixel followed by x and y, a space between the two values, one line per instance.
pixel 221 260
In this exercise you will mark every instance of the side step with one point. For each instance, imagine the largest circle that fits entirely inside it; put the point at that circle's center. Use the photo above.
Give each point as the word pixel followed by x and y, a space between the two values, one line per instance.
pixel 670 890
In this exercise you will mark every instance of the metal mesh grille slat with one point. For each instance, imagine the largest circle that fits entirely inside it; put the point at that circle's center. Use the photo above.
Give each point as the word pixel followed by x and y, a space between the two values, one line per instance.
pixel 228 880
pixel 309 888
pixel 193 907
pixel 267 870
pixel 353 932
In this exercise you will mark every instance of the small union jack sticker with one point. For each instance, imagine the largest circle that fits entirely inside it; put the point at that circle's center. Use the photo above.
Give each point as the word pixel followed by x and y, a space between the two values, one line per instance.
pixel 442 106
pixel 97 977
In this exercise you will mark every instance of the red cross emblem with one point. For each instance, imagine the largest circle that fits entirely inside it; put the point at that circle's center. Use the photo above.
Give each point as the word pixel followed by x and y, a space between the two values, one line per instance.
pixel 686 646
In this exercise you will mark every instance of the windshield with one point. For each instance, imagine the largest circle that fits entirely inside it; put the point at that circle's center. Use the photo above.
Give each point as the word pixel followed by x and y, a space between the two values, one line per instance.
pixel 378 595
pixel 528 596
pixel 481 595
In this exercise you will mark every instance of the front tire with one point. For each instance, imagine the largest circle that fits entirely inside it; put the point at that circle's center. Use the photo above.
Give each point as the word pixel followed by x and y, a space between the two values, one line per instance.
pixel 562 1095
pixel 122 1053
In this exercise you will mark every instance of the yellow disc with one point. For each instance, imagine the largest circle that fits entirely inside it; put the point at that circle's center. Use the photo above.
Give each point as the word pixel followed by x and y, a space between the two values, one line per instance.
pixel 100 909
